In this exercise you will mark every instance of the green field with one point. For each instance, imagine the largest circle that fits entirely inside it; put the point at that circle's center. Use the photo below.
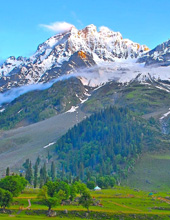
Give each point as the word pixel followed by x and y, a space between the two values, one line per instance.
pixel 117 203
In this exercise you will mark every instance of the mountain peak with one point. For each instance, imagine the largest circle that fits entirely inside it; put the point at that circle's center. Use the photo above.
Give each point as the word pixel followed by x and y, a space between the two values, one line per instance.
pixel 90 28
pixel 159 56
pixel 103 45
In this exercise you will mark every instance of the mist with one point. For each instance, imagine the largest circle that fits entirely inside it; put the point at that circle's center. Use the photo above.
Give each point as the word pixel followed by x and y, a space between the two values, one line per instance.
pixel 122 72
pixel 14 93
pixel 88 76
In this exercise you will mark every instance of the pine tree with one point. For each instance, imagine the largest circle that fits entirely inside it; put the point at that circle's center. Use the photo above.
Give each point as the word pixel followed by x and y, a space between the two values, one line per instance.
pixel 35 174
pixel 41 177
pixel 44 170
pixel 26 164
pixel 81 171
pixel 70 178
pixel 53 171
pixel 88 175
pixel 49 156
pixel 29 174
pixel 63 172
pixel 38 160
pixel 7 171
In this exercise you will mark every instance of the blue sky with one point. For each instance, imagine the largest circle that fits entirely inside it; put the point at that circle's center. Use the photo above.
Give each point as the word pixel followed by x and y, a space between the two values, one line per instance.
pixel 21 22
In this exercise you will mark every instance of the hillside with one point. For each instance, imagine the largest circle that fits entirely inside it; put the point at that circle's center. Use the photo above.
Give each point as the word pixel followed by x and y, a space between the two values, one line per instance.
pixel 37 105
pixel 145 99
pixel 16 145
pixel 106 143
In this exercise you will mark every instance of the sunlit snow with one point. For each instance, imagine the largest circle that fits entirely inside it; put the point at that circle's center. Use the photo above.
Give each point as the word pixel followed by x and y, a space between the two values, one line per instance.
pixel 73 109
pixel 50 144
pixel 165 115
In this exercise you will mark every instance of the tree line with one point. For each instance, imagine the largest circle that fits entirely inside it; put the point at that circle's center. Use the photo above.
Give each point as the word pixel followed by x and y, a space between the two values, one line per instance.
pixel 39 174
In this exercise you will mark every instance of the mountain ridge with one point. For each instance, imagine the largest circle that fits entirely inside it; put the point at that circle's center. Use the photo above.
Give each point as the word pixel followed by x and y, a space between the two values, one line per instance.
pixel 159 56
pixel 102 46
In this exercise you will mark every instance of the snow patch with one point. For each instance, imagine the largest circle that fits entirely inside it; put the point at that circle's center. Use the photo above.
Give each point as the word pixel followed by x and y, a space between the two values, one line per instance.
pixel 20 111
pixel 2 110
pixel 49 145
pixel 165 115
pixel 161 88
pixel 87 94
pixel 73 109
pixel 82 101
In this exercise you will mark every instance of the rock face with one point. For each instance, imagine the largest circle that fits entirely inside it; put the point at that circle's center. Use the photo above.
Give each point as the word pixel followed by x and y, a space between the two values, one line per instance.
pixel 78 60
pixel 159 56
pixel 58 54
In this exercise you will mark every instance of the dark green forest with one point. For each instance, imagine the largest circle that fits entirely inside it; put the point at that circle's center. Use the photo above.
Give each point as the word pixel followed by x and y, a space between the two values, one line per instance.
pixel 106 143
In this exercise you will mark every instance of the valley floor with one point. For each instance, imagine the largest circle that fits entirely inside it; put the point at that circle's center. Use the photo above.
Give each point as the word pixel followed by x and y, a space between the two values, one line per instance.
pixel 117 203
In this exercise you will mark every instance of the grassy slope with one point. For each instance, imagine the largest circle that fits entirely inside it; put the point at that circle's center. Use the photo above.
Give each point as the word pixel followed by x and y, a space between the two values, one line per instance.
pixel 37 105
pixel 143 99
pixel 151 173
pixel 120 202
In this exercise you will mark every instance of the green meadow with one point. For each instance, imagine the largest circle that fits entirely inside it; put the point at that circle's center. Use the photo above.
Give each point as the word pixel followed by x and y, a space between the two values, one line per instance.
pixel 116 203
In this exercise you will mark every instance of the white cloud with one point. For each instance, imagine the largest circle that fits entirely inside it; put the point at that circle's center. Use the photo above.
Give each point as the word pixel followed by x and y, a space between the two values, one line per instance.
pixel 58 27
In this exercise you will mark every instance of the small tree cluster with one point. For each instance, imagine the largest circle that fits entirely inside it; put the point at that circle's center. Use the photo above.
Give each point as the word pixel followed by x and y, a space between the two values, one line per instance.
pixel 10 186
pixel 106 182
pixel 85 200
pixel 14 184
pixel 6 198
pixel 53 193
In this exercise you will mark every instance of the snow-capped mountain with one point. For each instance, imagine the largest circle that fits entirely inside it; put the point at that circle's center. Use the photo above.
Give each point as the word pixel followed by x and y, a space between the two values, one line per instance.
pixel 86 68
pixel 159 56
pixel 55 56
pixel 10 64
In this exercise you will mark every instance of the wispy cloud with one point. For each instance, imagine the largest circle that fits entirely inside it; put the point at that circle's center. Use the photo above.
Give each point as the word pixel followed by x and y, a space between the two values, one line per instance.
pixel 14 93
pixel 74 15
pixel 57 27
